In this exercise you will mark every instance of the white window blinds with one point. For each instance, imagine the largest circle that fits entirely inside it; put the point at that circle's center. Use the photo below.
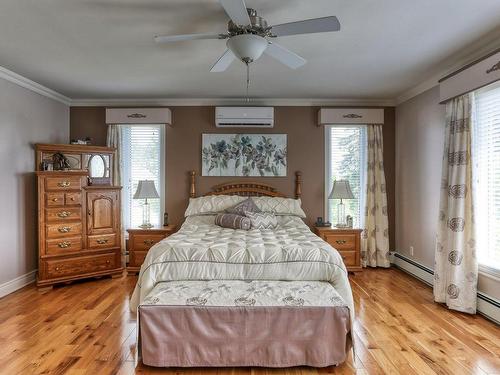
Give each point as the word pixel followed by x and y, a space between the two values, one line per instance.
pixel 486 174
pixel 142 159
pixel 346 160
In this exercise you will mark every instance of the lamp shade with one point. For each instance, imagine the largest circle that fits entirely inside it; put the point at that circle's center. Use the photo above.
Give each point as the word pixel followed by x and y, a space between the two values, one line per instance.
pixel 146 189
pixel 341 190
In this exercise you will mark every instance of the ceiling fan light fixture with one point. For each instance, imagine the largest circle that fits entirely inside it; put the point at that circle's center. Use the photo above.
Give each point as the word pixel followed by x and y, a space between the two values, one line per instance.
pixel 247 47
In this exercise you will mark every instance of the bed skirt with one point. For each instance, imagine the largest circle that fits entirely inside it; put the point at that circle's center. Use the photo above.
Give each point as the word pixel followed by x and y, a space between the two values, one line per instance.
pixel 199 334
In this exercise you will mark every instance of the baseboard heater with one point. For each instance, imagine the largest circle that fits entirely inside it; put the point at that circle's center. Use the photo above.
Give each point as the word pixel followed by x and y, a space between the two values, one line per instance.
pixel 486 305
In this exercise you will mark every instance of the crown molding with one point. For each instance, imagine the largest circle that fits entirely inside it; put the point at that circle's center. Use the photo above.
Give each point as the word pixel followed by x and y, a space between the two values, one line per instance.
pixel 19 80
pixel 231 101
pixel 459 60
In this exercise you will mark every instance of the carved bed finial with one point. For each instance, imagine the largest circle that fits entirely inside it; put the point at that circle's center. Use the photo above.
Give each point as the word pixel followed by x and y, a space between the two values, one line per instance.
pixel 192 188
pixel 298 184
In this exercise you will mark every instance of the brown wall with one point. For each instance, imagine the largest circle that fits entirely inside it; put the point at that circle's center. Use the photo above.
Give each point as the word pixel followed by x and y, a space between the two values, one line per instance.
pixel 183 149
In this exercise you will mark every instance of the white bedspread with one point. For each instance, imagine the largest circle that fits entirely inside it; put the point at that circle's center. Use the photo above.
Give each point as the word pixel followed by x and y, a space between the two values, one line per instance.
pixel 201 250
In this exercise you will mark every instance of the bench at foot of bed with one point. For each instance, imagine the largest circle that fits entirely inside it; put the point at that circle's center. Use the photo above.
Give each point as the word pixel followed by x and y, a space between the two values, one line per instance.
pixel 243 323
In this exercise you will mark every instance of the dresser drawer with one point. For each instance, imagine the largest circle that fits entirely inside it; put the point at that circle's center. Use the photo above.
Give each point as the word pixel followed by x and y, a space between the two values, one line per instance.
pixel 349 257
pixel 137 258
pixel 63 214
pixel 102 241
pixel 54 199
pixel 63 230
pixel 63 183
pixel 341 241
pixel 72 199
pixel 80 265
pixel 145 241
pixel 63 245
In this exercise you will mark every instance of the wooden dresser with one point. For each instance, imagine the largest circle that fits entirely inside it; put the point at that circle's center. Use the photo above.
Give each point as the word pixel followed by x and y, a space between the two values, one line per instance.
pixel 140 241
pixel 347 242
pixel 78 228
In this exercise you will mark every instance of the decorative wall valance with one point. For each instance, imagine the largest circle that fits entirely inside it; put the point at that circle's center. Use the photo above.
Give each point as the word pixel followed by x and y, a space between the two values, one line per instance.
pixel 330 116
pixel 138 116
pixel 471 77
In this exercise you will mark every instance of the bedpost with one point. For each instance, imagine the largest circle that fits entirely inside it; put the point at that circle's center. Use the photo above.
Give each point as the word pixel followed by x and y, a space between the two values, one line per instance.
pixel 192 188
pixel 298 184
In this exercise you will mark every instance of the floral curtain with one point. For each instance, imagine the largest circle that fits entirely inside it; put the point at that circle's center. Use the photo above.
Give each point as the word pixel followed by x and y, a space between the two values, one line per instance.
pixel 375 238
pixel 114 140
pixel 455 272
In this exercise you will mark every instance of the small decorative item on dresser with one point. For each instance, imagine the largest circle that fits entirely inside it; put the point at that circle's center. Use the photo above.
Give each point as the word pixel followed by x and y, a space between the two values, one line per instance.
pixel 347 242
pixel 140 241
pixel 146 190
pixel 341 190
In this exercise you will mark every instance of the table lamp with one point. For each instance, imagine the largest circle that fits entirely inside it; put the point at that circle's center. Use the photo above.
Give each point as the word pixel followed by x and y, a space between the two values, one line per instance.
pixel 341 190
pixel 146 190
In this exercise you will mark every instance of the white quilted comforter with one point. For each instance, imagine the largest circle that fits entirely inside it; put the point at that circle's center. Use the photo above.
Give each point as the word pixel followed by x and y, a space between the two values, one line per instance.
pixel 201 250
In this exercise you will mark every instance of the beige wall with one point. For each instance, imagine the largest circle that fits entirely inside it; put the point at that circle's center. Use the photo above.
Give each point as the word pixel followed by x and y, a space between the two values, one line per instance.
pixel 420 124
pixel 183 148
pixel 25 118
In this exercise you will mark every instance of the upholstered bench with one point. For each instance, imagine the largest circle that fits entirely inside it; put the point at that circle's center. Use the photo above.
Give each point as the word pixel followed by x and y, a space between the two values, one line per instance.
pixel 243 323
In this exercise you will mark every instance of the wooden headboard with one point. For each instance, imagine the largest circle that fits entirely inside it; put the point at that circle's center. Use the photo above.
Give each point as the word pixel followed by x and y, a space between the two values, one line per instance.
pixel 246 188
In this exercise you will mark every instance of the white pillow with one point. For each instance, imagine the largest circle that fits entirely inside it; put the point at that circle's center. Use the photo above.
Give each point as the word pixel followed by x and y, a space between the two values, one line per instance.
pixel 280 206
pixel 211 204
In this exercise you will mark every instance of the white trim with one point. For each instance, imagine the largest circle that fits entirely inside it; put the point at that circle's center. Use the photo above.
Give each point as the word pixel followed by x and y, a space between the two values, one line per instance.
pixel 17 283
pixel 484 307
pixel 491 273
pixel 183 102
pixel 19 80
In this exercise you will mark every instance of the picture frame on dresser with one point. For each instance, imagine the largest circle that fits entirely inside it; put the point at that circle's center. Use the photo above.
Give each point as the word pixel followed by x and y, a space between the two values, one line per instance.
pixel 78 223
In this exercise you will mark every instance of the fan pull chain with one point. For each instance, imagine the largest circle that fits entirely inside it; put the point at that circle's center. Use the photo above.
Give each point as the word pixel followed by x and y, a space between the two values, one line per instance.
pixel 248 81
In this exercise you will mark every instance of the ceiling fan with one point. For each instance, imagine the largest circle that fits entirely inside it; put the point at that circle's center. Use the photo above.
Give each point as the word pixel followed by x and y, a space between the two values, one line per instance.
pixel 249 36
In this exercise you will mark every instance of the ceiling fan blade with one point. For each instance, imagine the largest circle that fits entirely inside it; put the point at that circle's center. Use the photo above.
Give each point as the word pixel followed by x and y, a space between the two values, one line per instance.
pixel 237 11
pixel 179 38
pixel 315 25
pixel 285 56
pixel 224 61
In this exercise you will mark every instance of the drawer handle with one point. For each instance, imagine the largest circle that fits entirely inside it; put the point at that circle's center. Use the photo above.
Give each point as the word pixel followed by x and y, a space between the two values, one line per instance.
pixel 64 244
pixel 341 242
pixel 54 199
pixel 64 184
pixel 101 241
pixel 63 214
pixel 148 242
pixel 57 268
pixel 64 229
pixel 72 198
pixel 108 262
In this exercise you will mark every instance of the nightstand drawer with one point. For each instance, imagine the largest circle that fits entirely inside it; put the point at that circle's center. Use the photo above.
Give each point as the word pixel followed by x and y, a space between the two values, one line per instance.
pixel 341 241
pixel 145 241
pixel 349 257
pixel 137 258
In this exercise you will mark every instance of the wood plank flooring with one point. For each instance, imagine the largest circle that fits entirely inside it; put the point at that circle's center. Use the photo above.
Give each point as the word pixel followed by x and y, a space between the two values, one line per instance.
pixel 86 328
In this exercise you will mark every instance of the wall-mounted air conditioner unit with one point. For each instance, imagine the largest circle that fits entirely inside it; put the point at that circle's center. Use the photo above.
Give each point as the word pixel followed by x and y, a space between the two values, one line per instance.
pixel 244 117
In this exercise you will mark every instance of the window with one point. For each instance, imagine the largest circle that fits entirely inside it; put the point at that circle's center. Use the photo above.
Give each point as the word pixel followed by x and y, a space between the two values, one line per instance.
pixel 486 174
pixel 142 159
pixel 345 148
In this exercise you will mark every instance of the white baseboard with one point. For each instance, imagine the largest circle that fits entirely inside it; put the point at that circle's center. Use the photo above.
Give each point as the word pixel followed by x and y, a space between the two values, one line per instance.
pixel 486 305
pixel 17 283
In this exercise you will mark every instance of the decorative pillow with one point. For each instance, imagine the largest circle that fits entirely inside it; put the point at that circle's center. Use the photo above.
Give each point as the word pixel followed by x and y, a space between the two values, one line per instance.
pixel 262 220
pixel 280 206
pixel 211 204
pixel 233 221
pixel 247 205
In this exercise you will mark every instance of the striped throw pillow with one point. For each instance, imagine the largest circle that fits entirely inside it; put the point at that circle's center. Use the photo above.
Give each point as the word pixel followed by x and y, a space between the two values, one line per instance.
pixel 262 220
pixel 233 221
pixel 240 209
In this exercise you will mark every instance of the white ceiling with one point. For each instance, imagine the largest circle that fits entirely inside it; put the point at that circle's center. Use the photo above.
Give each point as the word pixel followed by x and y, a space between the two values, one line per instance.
pixel 104 48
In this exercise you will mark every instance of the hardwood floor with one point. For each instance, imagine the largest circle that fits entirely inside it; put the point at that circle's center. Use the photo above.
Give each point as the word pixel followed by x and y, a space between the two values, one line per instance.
pixel 86 328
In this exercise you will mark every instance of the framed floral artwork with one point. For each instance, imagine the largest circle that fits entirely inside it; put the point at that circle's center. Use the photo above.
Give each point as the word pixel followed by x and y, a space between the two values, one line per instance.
pixel 244 155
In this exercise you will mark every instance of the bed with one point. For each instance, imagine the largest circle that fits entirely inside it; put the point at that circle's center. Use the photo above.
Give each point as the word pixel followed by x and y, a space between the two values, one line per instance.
pixel 212 296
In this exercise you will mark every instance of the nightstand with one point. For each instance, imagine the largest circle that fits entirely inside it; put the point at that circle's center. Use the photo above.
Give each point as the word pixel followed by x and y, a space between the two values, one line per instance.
pixel 140 241
pixel 347 242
